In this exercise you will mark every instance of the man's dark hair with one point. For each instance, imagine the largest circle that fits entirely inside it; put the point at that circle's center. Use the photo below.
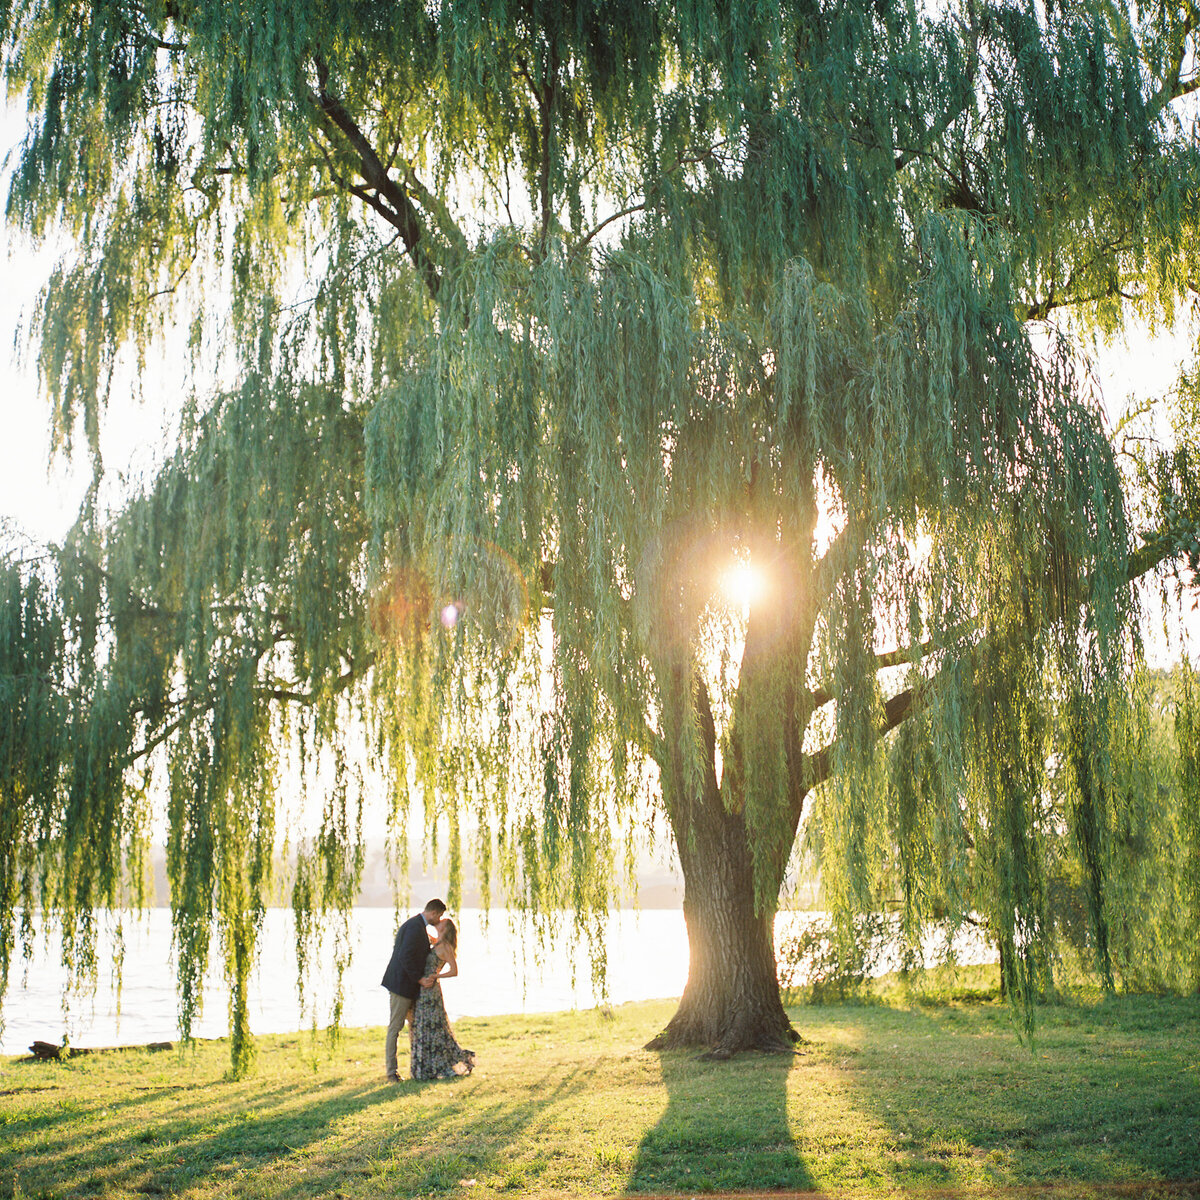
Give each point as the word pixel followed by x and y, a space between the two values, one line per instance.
pixel 437 906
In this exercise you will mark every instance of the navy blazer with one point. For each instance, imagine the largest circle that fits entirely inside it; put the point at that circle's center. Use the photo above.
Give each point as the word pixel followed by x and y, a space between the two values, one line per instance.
pixel 407 965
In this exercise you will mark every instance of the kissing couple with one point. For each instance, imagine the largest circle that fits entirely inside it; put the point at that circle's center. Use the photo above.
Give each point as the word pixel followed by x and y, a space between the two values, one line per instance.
pixel 424 953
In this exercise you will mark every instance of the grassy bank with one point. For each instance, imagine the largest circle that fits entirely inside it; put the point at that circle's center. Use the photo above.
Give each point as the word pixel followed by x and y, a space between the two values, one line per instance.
pixel 896 1096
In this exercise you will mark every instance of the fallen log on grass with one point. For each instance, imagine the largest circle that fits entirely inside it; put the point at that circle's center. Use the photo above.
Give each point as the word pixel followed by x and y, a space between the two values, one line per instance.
pixel 48 1050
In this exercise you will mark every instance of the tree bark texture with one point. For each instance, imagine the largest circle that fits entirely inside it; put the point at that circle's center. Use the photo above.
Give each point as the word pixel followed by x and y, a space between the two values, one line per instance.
pixel 731 1001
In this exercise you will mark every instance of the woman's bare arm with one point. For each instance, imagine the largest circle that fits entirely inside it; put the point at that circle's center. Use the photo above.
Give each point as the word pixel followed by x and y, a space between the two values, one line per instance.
pixel 447 955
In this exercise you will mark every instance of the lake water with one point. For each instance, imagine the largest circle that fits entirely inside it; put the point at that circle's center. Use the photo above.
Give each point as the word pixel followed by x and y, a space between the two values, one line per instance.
pixel 647 959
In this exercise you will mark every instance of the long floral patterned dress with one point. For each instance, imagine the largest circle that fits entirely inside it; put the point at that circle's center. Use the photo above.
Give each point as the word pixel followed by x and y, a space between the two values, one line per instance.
pixel 435 1053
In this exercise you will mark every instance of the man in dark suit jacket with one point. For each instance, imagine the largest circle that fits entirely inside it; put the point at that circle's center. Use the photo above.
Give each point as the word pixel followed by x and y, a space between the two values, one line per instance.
pixel 403 976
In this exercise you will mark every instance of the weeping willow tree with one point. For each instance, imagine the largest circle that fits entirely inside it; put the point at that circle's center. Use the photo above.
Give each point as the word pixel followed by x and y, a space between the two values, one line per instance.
pixel 543 317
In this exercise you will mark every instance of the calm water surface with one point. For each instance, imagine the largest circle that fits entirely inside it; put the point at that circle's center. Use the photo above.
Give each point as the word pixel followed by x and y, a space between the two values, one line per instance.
pixel 647 959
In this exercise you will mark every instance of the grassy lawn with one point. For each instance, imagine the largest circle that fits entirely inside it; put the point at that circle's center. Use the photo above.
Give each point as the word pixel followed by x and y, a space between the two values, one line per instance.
pixel 905 1095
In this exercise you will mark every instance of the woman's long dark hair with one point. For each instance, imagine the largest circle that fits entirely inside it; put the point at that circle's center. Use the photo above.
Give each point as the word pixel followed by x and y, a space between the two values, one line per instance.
pixel 450 934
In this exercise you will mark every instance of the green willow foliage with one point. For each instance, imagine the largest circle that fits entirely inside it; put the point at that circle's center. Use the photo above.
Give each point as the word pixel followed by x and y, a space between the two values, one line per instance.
pixel 1182 888
pixel 544 314
pixel 1121 867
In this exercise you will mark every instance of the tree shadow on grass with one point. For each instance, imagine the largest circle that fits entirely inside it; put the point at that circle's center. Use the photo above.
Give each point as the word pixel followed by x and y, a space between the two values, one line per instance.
pixel 453 1137
pixel 725 1128
pixel 208 1134
pixel 303 1137
pixel 1106 1094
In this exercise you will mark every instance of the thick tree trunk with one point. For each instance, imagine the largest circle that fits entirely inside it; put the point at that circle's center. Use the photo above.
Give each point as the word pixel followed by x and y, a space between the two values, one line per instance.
pixel 731 1001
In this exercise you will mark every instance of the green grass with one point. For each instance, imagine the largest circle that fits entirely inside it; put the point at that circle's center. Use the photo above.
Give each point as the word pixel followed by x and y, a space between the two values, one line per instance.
pixel 894 1096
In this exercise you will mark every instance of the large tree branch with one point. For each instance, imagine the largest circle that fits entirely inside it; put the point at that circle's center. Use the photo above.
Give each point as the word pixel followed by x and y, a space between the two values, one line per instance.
pixel 899 708
pixel 831 564
pixel 545 95
pixel 708 729
pixel 434 205
pixel 1066 297
pixel 131 604
pixel 294 693
pixel 970 30
pixel 399 209
pixel 1168 543
pixel 1173 86
pixel 188 707
pixel 682 161
pixel 900 657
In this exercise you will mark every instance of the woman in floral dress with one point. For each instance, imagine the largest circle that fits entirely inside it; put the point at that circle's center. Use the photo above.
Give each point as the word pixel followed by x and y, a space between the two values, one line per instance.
pixel 435 1053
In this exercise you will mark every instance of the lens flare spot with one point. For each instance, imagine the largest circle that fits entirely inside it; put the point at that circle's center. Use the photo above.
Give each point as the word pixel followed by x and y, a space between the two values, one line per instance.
pixel 449 615
pixel 744 585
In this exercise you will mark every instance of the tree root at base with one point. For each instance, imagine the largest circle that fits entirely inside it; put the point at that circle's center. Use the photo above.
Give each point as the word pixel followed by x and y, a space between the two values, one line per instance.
pixel 728 1043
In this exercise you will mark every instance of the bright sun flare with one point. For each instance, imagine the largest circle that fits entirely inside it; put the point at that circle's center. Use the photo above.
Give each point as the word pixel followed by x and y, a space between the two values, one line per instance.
pixel 744 585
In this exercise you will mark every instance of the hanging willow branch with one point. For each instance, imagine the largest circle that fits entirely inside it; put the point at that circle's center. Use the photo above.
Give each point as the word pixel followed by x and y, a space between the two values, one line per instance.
pixel 759 291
